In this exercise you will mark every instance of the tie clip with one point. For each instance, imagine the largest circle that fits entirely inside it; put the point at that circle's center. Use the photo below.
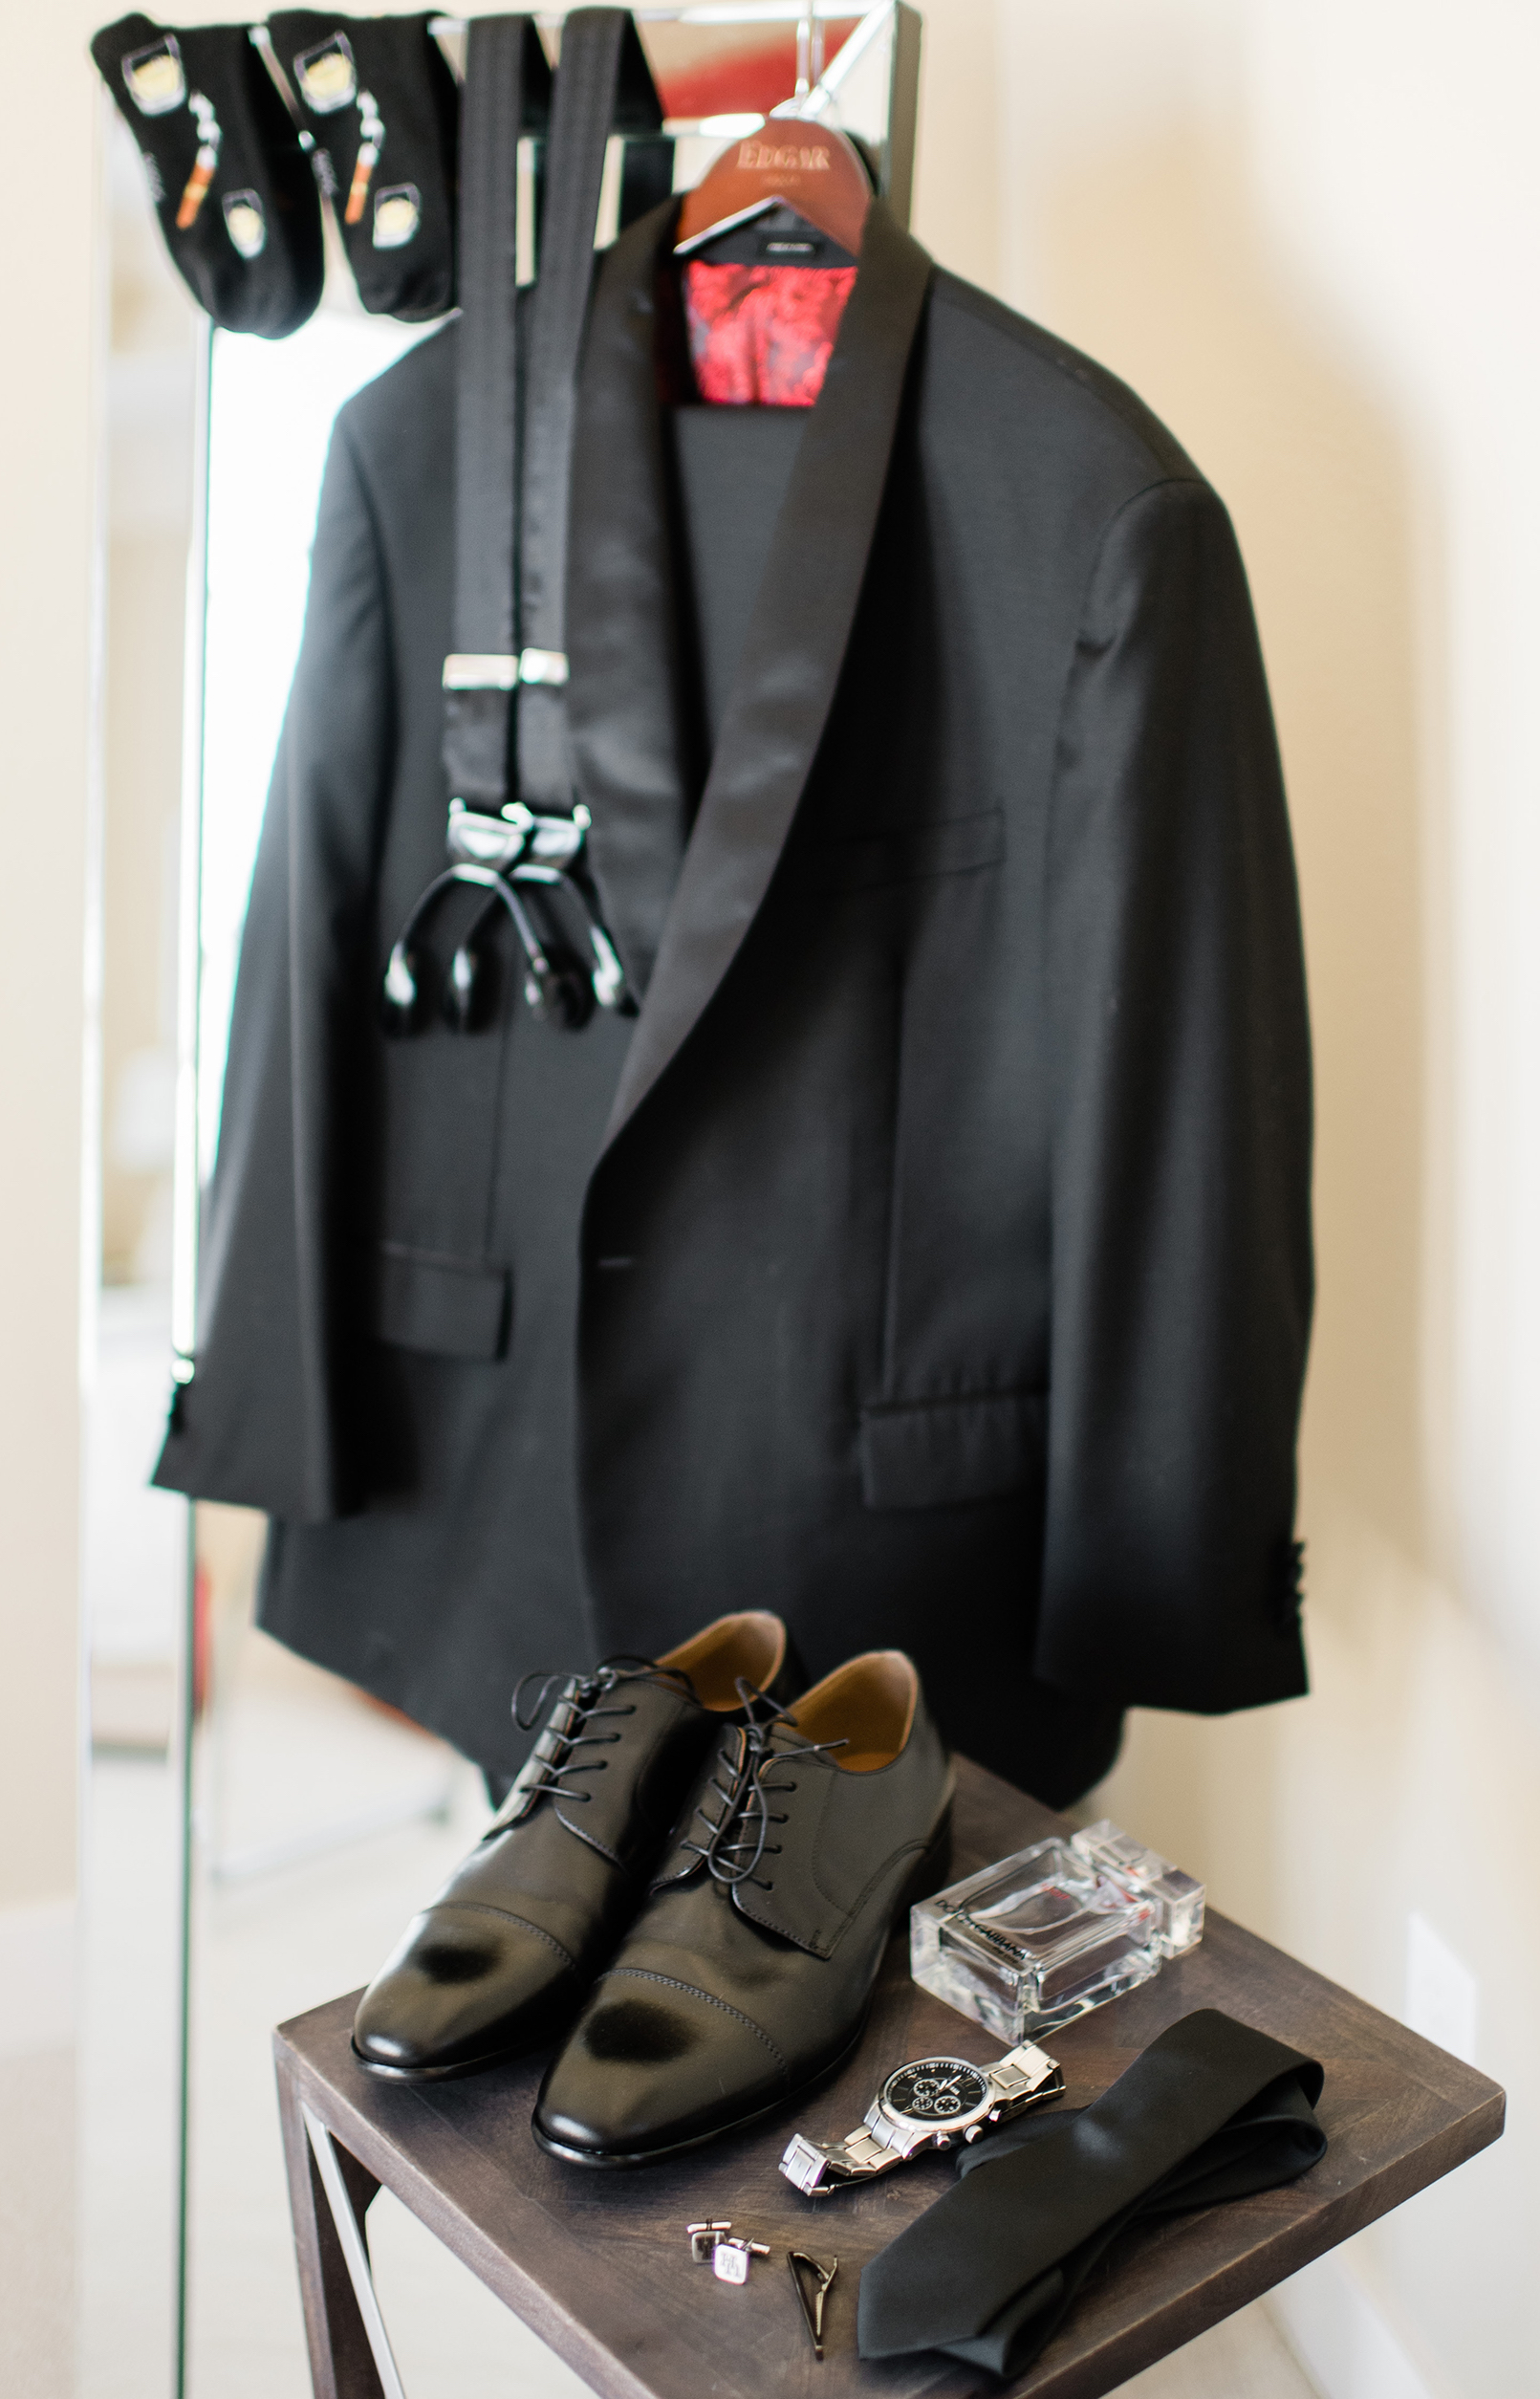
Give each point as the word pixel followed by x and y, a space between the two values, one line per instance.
pixel 812 2309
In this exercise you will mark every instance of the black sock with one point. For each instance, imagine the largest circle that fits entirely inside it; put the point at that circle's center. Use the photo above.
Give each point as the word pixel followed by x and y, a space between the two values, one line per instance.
pixel 233 188
pixel 380 101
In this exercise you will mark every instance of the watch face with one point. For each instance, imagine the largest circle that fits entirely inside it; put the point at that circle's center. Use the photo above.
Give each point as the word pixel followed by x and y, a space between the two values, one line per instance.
pixel 935 2090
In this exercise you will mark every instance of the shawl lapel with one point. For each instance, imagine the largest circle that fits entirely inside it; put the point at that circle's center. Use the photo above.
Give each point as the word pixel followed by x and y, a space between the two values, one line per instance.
pixel 792 654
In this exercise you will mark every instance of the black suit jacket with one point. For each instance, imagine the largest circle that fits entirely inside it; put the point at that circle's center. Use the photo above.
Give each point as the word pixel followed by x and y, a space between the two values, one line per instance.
pixel 935 1251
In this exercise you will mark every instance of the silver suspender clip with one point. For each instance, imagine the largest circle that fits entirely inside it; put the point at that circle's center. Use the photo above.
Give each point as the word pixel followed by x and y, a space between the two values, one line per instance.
pixel 543 666
pixel 502 670
pixel 511 856
pixel 515 835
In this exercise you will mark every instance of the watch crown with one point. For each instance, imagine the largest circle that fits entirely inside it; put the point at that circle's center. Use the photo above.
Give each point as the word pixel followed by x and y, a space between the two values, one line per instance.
pixel 973 2131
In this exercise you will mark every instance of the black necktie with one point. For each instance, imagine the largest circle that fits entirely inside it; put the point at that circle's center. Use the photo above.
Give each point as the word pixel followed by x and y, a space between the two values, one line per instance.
pixel 1211 2110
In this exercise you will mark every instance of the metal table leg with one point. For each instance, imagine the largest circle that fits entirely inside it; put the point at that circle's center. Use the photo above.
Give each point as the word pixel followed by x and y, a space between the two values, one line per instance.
pixel 355 2254
pixel 329 2194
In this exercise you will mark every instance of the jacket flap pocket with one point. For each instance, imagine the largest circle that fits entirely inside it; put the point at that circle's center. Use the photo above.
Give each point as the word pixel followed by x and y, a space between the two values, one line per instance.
pixel 928 1453
pixel 908 852
pixel 452 1306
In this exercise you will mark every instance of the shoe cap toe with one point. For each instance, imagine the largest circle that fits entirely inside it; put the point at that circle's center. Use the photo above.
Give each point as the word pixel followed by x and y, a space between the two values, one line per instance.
pixel 465 1984
pixel 652 2065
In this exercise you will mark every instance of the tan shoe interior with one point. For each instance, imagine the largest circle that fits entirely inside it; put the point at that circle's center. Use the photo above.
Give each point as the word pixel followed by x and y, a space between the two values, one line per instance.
pixel 751 1645
pixel 869 1703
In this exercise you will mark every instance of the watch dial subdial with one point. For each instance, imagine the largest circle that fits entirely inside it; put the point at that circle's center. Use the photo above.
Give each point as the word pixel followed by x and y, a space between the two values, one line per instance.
pixel 935 2090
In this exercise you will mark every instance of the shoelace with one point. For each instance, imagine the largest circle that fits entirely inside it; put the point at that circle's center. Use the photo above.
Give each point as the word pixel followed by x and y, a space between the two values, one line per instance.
pixel 732 1850
pixel 551 1764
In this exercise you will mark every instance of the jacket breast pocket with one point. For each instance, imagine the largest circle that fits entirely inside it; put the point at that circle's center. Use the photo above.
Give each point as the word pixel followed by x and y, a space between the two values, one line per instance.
pixel 452 1307
pixel 932 1453
pixel 866 862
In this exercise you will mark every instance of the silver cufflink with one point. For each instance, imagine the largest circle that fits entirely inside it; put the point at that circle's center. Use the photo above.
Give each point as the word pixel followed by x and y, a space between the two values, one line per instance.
pixel 731 2258
pixel 731 2255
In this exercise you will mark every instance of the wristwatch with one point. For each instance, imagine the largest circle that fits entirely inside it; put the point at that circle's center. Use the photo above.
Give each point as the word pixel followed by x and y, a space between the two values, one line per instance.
pixel 930 2104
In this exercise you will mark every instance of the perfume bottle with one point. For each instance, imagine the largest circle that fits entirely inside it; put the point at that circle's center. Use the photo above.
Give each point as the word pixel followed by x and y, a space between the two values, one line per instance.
pixel 1056 1928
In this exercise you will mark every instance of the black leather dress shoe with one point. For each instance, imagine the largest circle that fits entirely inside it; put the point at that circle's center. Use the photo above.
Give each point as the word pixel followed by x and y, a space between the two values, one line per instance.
pixel 499 1961
pixel 749 1974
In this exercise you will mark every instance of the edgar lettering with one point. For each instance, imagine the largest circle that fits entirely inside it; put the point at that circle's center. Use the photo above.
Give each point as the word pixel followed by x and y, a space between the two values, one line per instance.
pixel 782 159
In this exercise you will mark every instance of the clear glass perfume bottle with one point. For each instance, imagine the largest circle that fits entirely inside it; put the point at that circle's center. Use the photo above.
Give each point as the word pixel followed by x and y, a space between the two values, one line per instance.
pixel 1042 1936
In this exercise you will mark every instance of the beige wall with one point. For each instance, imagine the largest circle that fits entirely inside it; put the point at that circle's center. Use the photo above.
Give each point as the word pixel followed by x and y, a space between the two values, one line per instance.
pixel 50 418
pixel 1307 234
pixel 50 426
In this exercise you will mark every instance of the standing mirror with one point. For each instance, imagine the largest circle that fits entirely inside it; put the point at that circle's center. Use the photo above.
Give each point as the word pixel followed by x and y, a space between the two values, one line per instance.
pixel 262 1829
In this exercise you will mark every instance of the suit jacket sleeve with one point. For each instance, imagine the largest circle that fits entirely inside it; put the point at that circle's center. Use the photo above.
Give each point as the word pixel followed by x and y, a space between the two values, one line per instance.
pixel 258 1423
pixel 1181 1275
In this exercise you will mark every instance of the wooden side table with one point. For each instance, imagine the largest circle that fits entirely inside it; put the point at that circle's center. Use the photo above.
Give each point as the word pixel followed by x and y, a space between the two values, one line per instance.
pixel 599 2265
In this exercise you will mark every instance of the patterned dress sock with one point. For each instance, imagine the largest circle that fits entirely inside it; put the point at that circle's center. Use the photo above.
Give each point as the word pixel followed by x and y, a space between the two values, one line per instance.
pixel 376 96
pixel 233 188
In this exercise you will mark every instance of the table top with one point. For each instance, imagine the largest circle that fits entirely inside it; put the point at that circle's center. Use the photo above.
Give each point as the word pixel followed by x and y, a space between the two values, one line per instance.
pixel 597 2262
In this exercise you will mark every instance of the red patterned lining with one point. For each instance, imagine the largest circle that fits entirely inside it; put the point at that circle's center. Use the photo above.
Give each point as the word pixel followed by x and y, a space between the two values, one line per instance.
pixel 763 335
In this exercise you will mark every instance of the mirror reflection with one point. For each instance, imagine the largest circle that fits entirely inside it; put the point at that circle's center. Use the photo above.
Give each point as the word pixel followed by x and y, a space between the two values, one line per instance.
pixel 134 1562
pixel 319 1815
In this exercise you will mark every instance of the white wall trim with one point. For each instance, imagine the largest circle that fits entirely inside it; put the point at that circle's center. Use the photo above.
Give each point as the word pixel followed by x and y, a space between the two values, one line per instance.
pixel 1341 2336
pixel 37 1977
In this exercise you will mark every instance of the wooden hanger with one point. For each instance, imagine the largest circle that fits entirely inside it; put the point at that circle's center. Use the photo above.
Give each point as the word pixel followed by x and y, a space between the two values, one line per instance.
pixel 792 162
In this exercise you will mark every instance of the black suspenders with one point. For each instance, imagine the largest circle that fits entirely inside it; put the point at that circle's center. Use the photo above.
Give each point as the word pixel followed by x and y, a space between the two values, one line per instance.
pixel 507 93
pixel 602 84
pixel 521 838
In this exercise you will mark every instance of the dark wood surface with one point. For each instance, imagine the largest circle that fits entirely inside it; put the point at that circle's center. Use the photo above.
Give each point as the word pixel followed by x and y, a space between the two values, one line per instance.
pixel 599 2265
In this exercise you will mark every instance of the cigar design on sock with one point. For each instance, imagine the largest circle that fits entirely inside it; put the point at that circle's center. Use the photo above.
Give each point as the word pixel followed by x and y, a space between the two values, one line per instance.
pixel 210 136
pixel 157 83
pixel 371 129
pixel 327 75
pixel 234 195
pixel 375 97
